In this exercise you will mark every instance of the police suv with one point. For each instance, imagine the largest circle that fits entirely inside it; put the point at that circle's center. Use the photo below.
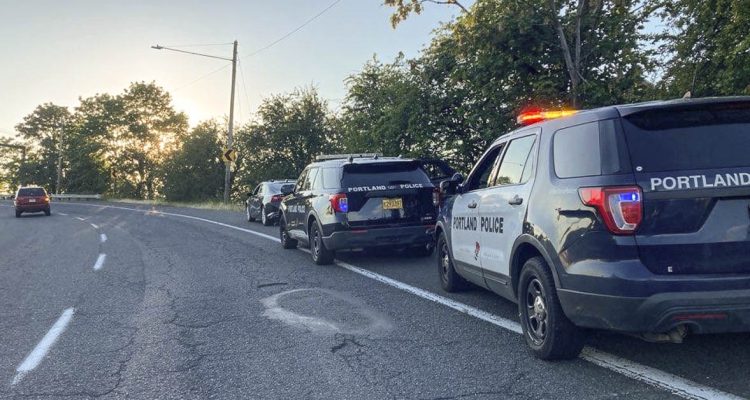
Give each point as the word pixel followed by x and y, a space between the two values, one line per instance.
pixel 632 218
pixel 360 201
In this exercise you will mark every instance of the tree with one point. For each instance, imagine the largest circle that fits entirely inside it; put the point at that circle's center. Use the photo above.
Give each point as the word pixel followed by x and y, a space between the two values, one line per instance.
pixel 292 129
pixel 44 130
pixel 406 7
pixel 708 47
pixel 195 171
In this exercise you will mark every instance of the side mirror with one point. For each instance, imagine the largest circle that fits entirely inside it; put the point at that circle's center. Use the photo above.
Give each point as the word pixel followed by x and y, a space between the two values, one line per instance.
pixel 452 185
pixel 286 191
pixel 249 194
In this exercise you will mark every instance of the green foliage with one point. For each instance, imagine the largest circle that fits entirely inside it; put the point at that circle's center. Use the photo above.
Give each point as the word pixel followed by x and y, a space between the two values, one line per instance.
pixel 292 129
pixel 195 171
pixel 709 47
pixel 42 131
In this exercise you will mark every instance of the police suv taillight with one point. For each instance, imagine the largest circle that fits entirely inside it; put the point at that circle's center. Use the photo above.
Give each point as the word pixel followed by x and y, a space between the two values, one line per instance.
pixel 621 208
pixel 339 202
pixel 436 197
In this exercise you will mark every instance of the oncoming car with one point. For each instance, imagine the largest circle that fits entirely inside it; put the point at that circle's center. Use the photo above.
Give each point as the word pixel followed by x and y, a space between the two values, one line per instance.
pixel 263 202
pixel 631 218
pixel 349 202
pixel 31 199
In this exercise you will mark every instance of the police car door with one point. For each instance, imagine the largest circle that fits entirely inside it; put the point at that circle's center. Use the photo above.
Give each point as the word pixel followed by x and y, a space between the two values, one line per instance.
pixel 502 210
pixel 293 207
pixel 464 217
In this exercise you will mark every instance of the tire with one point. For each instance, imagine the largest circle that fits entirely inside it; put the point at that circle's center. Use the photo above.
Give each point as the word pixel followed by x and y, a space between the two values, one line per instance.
pixel 450 280
pixel 48 212
pixel 264 219
pixel 548 332
pixel 18 214
pixel 320 254
pixel 247 214
pixel 286 241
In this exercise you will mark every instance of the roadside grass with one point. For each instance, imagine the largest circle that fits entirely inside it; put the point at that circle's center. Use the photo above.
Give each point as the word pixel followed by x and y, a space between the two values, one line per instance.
pixel 206 205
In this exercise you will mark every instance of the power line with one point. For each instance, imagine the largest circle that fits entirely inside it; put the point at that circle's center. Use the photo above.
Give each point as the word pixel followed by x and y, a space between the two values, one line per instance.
pixel 295 30
pixel 244 86
pixel 201 77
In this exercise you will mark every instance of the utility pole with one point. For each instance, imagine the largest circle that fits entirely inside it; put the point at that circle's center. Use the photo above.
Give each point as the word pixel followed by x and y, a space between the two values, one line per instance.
pixel 59 160
pixel 230 131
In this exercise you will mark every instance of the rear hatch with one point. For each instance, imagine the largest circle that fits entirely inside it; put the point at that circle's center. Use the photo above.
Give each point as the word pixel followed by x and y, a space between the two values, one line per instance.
pixel 693 164
pixel 388 194
pixel 31 196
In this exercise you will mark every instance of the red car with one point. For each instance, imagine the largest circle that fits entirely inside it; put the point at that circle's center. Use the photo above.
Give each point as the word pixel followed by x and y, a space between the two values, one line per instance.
pixel 32 199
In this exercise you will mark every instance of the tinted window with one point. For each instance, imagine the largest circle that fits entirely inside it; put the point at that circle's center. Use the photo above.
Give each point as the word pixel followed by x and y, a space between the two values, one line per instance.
pixel 310 179
pixel 514 161
pixel 716 136
pixel 35 192
pixel 577 151
pixel 331 178
pixel 437 170
pixel 275 187
pixel 300 181
pixel 480 177
pixel 373 174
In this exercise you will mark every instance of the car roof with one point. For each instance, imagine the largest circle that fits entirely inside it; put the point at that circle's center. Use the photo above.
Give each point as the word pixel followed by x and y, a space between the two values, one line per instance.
pixel 615 111
pixel 369 160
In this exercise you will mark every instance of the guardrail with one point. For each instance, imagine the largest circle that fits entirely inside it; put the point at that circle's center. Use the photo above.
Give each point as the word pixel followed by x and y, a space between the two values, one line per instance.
pixel 68 196
pixel 65 196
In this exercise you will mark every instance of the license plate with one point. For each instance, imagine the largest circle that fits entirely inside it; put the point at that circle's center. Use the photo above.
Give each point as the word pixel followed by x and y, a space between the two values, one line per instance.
pixel 393 204
pixel 32 200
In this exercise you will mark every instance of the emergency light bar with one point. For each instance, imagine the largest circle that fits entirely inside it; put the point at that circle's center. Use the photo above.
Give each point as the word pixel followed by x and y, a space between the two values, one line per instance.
pixel 534 116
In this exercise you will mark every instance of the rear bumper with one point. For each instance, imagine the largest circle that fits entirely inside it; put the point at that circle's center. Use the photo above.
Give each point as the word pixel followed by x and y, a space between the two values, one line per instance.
pixel 271 210
pixel 32 207
pixel 702 312
pixel 624 295
pixel 400 236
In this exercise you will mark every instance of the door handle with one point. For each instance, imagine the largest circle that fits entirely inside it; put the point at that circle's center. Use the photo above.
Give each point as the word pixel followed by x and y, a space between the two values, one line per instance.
pixel 473 204
pixel 515 201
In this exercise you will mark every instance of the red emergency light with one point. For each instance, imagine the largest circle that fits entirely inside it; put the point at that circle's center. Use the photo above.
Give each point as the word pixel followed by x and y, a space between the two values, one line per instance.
pixel 533 116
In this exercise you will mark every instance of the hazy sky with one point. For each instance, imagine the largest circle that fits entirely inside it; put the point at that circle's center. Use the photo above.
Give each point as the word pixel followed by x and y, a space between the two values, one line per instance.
pixel 56 51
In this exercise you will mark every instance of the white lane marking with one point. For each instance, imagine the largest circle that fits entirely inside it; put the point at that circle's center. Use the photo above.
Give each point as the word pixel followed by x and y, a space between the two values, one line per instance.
pixel 35 357
pixel 80 219
pixel 95 226
pixel 102 237
pixel 63 214
pixel 648 375
pixel 100 261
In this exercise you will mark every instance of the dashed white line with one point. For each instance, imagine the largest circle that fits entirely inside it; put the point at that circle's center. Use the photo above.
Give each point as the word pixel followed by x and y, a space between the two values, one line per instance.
pixel 35 357
pixel 651 376
pixel 80 219
pixel 100 261
pixel 102 237
pixel 63 214
pixel 95 226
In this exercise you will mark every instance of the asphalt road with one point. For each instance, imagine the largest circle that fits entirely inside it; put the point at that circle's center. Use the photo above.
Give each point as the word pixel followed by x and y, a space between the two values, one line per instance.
pixel 185 303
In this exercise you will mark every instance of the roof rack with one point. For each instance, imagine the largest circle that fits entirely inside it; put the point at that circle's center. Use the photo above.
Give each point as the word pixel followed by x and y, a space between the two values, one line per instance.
pixel 325 157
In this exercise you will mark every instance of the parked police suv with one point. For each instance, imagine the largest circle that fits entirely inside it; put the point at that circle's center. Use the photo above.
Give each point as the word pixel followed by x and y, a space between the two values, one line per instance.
pixel 360 201
pixel 633 218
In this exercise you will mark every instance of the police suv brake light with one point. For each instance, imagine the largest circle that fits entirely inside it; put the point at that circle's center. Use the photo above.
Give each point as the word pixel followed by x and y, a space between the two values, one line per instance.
pixel 533 116
pixel 621 208
pixel 339 202
pixel 436 197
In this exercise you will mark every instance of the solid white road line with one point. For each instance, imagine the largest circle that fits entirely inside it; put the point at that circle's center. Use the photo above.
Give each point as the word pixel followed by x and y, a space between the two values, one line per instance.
pixel 100 261
pixel 102 237
pixel 654 377
pixel 35 357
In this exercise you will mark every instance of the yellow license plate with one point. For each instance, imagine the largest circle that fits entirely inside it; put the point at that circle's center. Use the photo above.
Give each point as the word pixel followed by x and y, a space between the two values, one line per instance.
pixel 393 204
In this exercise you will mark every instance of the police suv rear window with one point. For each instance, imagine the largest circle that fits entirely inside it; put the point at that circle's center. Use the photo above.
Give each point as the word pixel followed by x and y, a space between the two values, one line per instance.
pixel 383 176
pixel 709 137
pixel 35 192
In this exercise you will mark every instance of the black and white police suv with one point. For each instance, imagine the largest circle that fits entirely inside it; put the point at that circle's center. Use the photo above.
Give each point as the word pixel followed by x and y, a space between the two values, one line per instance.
pixel 352 201
pixel 632 218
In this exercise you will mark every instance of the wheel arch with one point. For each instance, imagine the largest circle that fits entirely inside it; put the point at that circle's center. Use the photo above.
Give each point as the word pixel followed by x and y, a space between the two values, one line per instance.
pixel 525 248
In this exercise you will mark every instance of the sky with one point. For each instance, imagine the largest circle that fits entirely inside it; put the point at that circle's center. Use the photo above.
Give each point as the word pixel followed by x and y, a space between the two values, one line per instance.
pixel 55 51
